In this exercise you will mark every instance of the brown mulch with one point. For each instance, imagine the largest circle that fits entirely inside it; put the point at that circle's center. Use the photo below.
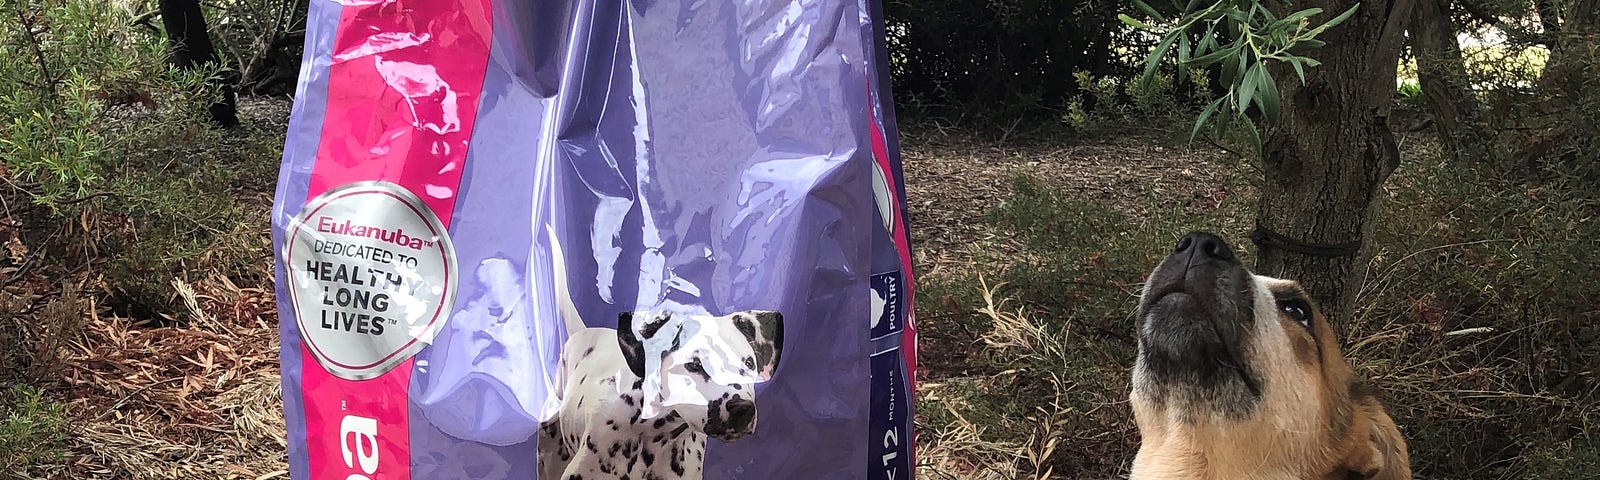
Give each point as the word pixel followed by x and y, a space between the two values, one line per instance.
pixel 191 401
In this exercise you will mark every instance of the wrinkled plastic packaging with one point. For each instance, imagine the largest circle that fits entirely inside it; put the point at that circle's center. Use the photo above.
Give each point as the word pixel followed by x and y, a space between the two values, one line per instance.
pixel 495 220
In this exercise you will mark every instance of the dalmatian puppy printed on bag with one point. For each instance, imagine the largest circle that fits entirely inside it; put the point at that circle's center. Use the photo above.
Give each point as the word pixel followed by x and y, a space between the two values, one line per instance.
pixel 640 400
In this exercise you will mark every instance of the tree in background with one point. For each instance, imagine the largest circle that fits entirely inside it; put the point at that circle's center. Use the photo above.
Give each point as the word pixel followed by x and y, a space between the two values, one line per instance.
pixel 191 48
pixel 1458 115
pixel 1324 144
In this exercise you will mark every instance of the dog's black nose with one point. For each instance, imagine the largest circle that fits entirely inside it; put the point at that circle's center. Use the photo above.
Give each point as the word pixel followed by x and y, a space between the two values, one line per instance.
pixel 1199 247
pixel 741 413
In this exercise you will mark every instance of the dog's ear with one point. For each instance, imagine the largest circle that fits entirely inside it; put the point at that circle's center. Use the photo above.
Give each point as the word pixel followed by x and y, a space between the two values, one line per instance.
pixel 1381 457
pixel 764 329
pixel 631 340
pixel 628 341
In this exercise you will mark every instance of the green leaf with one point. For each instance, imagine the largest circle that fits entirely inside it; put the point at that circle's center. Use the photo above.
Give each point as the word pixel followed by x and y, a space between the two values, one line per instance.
pixel 1184 48
pixel 1311 62
pixel 1301 15
pixel 1250 128
pixel 1154 60
pixel 1341 18
pixel 1132 22
pixel 1244 62
pixel 1279 38
pixel 1299 71
pixel 1269 95
pixel 1332 23
pixel 1183 56
pixel 1212 57
pixel 1230 70
pixel 1239 17
pixel 1247 90
pixel 1208 40
pixel 1204 115
pixel 1149 11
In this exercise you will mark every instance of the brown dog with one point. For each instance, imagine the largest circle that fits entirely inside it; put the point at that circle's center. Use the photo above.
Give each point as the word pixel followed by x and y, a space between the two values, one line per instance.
pixel 1239 377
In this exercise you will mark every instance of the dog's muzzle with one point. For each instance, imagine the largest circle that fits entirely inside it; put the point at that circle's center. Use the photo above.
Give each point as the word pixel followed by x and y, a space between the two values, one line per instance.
pixel 1201 279
pixel 731 419
pixel 1196 312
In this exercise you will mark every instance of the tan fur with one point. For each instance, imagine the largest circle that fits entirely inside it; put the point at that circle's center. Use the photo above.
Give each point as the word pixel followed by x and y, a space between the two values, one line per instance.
pixel 1312 423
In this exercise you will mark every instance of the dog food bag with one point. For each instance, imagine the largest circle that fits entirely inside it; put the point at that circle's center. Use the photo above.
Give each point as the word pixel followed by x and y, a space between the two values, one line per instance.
pixel 587 239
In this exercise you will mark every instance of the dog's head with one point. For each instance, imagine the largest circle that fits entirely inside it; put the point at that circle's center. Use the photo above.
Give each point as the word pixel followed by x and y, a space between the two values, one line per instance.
pixel 704 360
pixel 1225 353
pixel 502 284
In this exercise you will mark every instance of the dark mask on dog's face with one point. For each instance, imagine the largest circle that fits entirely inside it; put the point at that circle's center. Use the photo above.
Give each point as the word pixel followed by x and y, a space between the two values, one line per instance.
pixel 1197 316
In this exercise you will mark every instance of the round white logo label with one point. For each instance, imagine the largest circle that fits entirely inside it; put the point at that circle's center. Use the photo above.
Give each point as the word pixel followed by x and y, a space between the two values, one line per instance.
pixel 371 277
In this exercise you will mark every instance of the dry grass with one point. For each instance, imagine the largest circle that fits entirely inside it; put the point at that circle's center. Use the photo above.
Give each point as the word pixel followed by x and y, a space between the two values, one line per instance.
pixel 1024 378
pixel 964 450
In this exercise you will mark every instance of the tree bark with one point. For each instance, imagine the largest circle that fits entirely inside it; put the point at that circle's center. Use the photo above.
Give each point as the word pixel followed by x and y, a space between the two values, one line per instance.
pixel 1327 157
pixel 191 47
pixel 1457 114
pixel 1574 37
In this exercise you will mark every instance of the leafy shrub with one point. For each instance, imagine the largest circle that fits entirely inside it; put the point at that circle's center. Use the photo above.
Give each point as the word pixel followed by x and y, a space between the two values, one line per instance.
pixel 67 75
pixel 109 144
pixel 1478 322
pixel 1115 103
pixel 32 430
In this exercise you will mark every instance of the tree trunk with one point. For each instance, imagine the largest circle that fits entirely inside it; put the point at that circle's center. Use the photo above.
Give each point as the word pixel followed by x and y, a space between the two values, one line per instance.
pixel 1327 157
pixel 1457 114
pixel 191 47
pixel 1573 39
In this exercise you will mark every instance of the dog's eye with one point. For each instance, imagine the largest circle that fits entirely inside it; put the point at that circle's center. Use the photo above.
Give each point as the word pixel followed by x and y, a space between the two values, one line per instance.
pixel 1297 309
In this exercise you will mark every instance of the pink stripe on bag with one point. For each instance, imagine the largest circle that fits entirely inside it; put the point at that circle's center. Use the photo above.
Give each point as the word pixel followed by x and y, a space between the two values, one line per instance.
pixel 403 93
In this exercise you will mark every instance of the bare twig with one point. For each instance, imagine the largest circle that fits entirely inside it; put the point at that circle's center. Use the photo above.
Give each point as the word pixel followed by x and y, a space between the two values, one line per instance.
pixel 30 27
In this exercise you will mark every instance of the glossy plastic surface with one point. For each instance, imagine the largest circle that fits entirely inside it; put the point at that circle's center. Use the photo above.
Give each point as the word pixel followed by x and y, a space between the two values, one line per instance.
pixel 706 158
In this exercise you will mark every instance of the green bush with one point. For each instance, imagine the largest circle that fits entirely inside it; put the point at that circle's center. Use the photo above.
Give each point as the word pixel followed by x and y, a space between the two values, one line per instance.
pixel 110 144
pixel 1479 322
pixel 32 431
pixel 70 73
pixel 1109 104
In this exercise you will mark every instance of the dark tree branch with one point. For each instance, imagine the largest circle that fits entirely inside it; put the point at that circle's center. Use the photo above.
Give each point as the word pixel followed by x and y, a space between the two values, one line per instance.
pixel 1391 40
pixel 143 20
pixel 1549 18
pixel 191 48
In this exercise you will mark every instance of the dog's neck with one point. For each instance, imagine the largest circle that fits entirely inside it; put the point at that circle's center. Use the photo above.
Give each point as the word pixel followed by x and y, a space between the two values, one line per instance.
pixel 1215 448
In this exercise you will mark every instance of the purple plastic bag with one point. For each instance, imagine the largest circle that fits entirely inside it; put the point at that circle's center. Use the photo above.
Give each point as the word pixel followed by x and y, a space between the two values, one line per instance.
pixel 531 239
